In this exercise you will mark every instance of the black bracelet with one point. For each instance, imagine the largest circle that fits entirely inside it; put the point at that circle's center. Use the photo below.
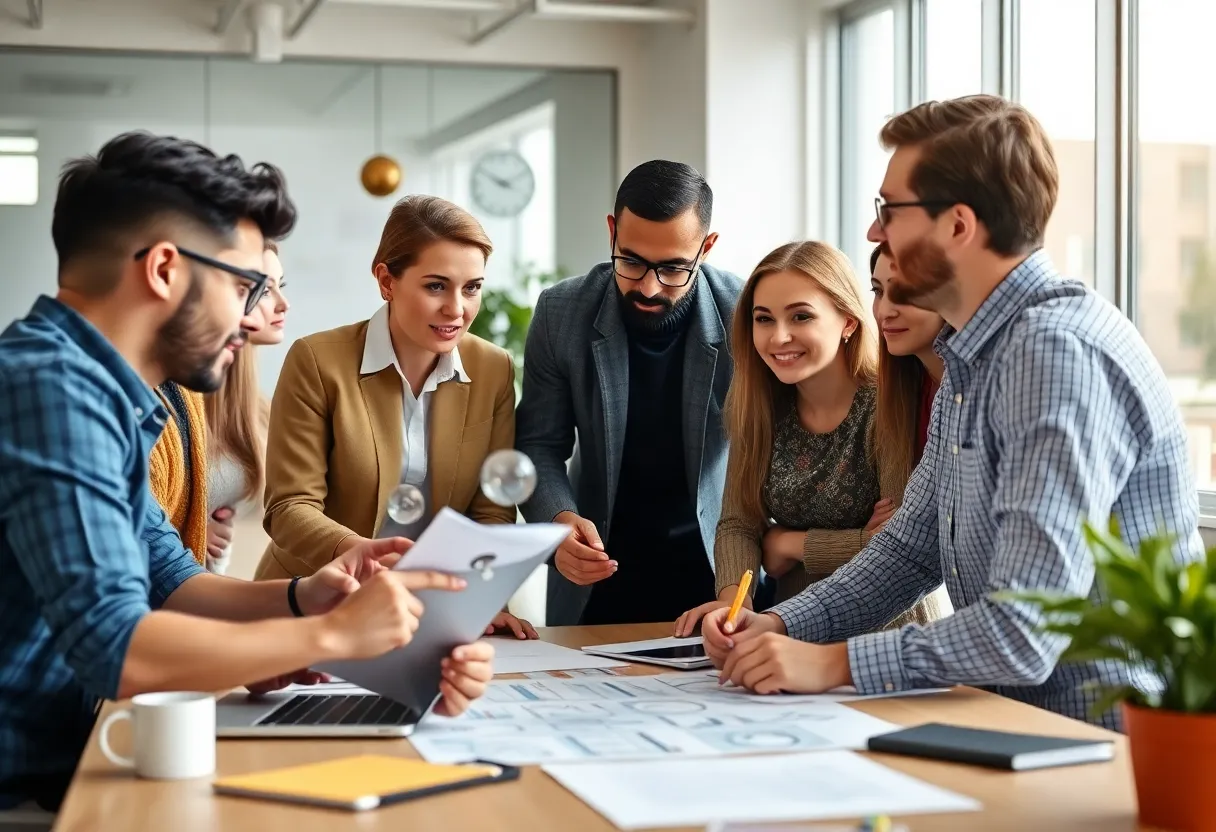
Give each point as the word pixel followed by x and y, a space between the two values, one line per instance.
pixel 291 598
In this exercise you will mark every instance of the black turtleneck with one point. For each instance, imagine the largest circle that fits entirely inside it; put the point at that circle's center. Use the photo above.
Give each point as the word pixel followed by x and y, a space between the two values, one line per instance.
pixel 654 535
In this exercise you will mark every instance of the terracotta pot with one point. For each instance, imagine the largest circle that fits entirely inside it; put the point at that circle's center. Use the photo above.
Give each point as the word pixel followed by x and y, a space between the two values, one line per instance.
pixel 1174 761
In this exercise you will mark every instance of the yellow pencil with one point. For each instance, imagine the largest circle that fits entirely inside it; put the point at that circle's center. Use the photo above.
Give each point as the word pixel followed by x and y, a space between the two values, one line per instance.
pixel 744 585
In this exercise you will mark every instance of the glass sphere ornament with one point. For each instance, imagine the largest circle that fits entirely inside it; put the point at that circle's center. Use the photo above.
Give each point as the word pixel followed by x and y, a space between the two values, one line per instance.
pixel 508 477
pixel 406 504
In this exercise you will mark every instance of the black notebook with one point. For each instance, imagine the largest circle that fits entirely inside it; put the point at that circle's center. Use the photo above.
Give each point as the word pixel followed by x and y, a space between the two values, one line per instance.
pixel 995 749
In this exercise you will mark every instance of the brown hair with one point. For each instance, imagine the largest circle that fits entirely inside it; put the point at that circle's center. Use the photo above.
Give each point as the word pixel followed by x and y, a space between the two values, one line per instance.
pixel 989 154
pixel 749 408
pixel 896 412
pixel 416 222
pixel 237 415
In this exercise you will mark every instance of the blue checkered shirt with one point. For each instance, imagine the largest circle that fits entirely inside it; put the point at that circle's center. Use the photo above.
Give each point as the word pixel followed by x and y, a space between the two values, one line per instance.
pixel 1052 410
pixel 84 550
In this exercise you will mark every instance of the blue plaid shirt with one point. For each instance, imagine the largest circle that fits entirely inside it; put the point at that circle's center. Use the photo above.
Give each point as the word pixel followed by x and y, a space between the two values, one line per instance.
pixel 84 550
pixel 1052 410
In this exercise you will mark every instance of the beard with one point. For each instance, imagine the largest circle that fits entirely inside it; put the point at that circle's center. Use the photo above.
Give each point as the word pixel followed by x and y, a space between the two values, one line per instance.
pixel 186 343
pixel 924 277
pixel 660 310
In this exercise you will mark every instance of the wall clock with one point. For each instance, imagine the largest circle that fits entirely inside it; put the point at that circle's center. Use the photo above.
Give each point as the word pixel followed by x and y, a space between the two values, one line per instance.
pixel 502 183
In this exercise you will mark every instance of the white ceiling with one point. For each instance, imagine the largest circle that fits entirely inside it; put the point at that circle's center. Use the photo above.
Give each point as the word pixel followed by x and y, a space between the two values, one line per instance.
pixel 415 100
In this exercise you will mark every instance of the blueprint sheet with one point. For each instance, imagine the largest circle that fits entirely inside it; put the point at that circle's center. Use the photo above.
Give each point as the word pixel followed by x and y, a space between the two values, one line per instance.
pixel 534 721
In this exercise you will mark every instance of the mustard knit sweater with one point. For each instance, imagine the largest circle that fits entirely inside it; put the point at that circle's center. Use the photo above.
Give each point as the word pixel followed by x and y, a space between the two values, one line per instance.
pixel 184 502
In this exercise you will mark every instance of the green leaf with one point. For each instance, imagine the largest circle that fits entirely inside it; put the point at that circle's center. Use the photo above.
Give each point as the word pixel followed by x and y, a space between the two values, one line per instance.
pixel 1149 609
pixel 1182 627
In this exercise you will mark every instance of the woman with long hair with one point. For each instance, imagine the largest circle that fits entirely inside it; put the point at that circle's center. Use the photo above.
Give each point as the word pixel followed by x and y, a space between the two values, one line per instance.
pixel 909 374
pixel 408 397
pixel 803 493
pixel 237 416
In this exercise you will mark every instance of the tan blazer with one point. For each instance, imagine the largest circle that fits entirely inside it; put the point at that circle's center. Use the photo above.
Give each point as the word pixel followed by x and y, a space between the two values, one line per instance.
pixel 333 455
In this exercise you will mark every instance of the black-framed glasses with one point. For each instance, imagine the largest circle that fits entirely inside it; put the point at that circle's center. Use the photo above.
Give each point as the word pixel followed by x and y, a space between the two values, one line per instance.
pixel 258 282
pixel 635 268
pixel 882 208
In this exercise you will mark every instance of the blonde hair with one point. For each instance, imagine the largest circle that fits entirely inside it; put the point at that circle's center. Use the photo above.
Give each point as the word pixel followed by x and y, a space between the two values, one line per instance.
pixel 749 410
pixel 238 415
pixel 418 221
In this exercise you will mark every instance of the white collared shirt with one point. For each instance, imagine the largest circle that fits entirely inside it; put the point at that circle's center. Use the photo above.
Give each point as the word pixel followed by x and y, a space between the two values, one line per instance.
pixel 377 354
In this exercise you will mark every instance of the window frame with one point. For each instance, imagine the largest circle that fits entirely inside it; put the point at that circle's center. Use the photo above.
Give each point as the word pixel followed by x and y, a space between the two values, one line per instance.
pixel 1116 232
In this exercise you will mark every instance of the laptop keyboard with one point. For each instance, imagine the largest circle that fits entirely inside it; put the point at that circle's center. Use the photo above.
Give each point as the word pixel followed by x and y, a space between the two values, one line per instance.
pixel 356 709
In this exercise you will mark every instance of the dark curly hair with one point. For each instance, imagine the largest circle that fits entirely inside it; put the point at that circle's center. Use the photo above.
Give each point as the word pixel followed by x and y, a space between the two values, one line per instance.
pixel 140 184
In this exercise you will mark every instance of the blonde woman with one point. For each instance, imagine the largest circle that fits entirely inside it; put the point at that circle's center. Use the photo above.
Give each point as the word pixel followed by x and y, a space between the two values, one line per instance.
pixel 408 396
pixel 803 492
pixel 237 416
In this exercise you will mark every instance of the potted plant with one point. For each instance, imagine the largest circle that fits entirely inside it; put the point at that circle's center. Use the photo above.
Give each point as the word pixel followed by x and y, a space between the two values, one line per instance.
pixel 506 314
pixel 1157 612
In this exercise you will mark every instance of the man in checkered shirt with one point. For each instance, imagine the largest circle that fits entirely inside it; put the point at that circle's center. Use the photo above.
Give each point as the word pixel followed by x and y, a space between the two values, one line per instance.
pixel 1052 411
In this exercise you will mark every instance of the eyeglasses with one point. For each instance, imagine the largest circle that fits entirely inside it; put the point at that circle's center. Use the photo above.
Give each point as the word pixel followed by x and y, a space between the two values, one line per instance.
pixel 258 282
pixel 635 268
pixel 882 208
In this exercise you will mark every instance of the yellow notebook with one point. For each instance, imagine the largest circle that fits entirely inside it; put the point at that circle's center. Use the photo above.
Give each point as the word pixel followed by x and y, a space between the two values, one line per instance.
pixel 362 782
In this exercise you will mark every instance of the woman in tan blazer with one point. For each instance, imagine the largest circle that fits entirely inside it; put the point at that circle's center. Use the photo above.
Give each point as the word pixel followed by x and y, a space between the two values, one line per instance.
pixel 405 397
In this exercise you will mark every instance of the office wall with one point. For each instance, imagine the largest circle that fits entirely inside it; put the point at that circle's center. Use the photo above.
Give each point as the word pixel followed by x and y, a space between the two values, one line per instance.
pixel 316 121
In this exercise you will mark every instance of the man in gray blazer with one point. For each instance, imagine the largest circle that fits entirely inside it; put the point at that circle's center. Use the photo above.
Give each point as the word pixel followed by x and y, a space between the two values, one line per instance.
pixel 634 360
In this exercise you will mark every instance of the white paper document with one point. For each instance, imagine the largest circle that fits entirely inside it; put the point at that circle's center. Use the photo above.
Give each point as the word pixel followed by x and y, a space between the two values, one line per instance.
pixel 782 787
pixel 513 655
pixel 532 721
pixel 706 683
pixel 454 542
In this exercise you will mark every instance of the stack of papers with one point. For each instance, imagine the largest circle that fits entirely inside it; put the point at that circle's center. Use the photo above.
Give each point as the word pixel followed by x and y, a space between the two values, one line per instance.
pixel 784 787
pixel 593 718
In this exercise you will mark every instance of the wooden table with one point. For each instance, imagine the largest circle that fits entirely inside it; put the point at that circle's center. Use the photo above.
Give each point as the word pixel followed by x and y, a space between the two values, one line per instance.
pixel 1098 797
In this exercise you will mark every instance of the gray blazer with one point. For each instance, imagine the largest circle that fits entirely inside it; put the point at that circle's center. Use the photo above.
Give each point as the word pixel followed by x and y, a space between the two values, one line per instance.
pixel 576 387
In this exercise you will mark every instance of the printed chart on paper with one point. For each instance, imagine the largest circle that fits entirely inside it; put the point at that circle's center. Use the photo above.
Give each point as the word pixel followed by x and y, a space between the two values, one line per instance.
pixel 534 721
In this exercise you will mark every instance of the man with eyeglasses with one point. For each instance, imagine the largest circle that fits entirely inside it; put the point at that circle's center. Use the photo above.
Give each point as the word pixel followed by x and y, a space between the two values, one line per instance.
pixel 160 250
pixel 1052 413
pixel 634 359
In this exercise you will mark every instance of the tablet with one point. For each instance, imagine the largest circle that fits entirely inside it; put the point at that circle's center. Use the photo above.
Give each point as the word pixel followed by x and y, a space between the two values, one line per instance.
pixel 680 653
pixel 494 559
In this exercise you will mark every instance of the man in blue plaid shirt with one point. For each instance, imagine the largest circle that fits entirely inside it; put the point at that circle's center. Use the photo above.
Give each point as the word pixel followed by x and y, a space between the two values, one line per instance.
pixel 1052 411
pixel 160 250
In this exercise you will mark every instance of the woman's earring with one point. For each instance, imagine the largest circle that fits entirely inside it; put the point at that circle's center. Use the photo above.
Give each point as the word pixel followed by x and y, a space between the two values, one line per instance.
pixel 846 339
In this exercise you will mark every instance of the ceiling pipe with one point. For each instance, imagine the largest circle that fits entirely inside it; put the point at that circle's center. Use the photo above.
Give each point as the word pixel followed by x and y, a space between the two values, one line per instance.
pixel 226 15
pixel 480 33
pixel 544 10
pixel 305 15
pixel 553 10
pixel 437 5
pixel 35 8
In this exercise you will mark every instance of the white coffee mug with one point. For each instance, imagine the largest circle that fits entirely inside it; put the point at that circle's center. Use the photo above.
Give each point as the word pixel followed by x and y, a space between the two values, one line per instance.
pixel 173 735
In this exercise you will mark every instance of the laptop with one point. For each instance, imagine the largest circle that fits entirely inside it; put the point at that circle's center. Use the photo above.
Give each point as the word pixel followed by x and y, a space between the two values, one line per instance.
pixel 299 712
pixel 388 695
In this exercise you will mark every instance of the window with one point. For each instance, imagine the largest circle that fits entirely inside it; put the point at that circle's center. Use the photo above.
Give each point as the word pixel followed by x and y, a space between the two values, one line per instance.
pixel 1176 282
pixel 953 48
pixel 1193 184
pixel 18 170
pixel 867 101
pixel 1061 92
